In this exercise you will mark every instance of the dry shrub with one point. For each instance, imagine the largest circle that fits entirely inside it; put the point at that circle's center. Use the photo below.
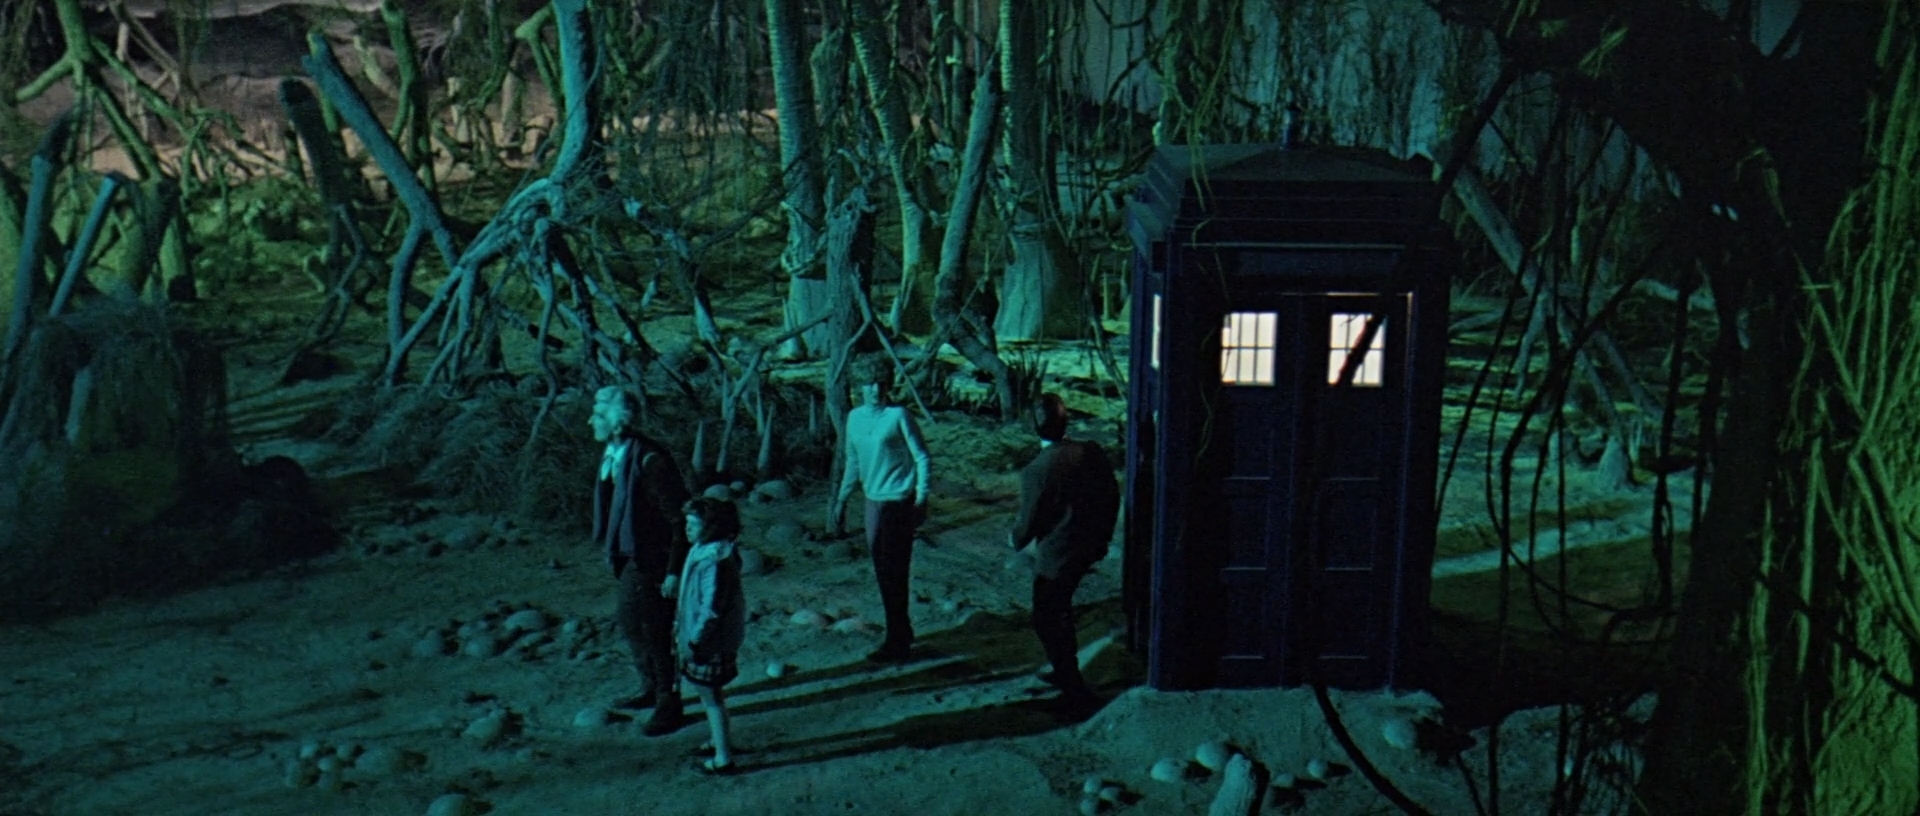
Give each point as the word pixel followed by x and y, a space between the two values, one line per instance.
pixel 479 452
pixel 112 416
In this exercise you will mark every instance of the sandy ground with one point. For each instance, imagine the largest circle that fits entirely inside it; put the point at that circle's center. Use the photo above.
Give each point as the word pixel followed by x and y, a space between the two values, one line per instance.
pixel 352 684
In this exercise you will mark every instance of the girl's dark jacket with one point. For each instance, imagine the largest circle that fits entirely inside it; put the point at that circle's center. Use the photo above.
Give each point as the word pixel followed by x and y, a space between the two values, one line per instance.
pixel 636 514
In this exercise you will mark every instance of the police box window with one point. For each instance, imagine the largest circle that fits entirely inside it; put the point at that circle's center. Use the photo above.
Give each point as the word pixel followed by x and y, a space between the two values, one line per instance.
pixel 1246 348
pixel 1347 328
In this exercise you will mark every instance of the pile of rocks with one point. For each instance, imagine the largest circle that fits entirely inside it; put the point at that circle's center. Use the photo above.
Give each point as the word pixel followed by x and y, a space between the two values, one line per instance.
pixel 523 631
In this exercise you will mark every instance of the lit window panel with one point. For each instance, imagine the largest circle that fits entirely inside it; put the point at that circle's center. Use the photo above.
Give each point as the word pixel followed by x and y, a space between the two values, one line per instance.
pixel 1347 327
pixel 1247 344
pixel 1155 339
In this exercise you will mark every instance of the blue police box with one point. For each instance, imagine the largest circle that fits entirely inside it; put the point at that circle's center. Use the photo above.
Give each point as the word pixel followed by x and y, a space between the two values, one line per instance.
pixel 1289 318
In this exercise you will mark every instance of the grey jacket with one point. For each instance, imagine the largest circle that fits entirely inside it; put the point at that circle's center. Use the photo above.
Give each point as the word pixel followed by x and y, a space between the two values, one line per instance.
pixel 713 609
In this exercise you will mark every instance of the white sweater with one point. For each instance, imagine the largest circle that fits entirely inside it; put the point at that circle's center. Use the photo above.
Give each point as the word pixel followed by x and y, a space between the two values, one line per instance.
pixel 885 455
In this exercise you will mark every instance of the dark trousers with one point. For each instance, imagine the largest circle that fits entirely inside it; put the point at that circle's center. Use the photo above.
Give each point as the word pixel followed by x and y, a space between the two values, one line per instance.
pixel 890 528
pixel 646 618
pixel 1053 623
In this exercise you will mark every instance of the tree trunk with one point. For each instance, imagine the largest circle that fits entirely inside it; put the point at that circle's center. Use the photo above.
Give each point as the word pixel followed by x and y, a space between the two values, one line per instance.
pixel 919 241
pixel 1041 292
pixel 808 293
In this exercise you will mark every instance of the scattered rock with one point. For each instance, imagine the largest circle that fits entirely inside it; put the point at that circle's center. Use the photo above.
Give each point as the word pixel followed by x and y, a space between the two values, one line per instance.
pixel 752 562
pixel 853 626
pixel 1317 769
pixel 950 606
pixel 1090 806
pixel 328 764
pixel 810 618
pixel 300 774
pixel 1212 755
pixel 718 492
pixel 311 750
pixel 1284 781
pixel 1400 733
pixel 590 718
pixel 785 534
pixel 1113 794
pixel 1168 770
pixel 774 490
pixel 526 620
pixel 738 487
pixel 1092 785
pixel 381 760
pixel 481 644
pixel 453 804
pixel 329 781
pixel 488 729
pixel 776 670
pixel 1239 790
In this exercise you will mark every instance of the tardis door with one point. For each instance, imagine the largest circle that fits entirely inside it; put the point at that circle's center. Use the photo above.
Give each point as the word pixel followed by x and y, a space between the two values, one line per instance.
pixel 1136 566
pixel 1255 437
pixel 1353 490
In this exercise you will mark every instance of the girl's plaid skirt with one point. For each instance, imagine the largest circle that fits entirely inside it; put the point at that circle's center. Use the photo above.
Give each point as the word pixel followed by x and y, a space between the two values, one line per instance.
pixel 712 674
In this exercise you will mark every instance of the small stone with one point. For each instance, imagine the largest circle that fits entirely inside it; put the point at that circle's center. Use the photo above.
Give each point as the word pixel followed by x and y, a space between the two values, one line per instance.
pixel 381 760
pixel 453 804
pixel 1400 733
pixel 718 492
pixel 311 750
pixel 300 774
pixel 1212 755
pixel 808 618
pixel 486 729
pixel 430 646
pixel 1168 770
pixel 328 764
pixel 328 781
pixel 526 620
pixel 1089 806
pixel 574 627
pixel 1092 785
pixel 1239 790
pixel 949 606
pixel 590 718
pixel 481 645
pixel 785 534
pixel 776 670
pixel 738 487
pixel 852 626
pixel 775 490
pixel 1113 794
pixel 1317 769
pixel 752 562
pixel 1284 780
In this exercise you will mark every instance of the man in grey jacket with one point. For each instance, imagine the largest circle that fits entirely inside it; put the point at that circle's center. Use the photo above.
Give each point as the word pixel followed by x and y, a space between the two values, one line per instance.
pixel 887 459
pixel 1069 502
pixel 636 519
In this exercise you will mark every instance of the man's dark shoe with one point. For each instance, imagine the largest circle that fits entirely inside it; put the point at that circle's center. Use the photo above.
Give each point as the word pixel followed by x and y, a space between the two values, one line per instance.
pixel 665 720
pixel 890 654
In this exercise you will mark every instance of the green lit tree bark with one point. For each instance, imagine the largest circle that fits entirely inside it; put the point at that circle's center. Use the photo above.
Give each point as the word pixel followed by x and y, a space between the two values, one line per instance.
pixel 808 294
pixel 1041 292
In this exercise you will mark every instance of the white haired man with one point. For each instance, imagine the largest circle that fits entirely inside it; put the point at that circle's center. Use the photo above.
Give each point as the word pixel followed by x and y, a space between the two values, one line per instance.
pixel 636 519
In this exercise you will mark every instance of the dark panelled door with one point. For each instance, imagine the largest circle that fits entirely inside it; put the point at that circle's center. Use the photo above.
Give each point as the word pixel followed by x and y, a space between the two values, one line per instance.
pixel 1264 355
pixel 1358 429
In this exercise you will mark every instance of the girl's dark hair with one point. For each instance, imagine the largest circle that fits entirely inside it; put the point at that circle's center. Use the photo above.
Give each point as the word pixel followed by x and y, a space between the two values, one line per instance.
pixel 719 517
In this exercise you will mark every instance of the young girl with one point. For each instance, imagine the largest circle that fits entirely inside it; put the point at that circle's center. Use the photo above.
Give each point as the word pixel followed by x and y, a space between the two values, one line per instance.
pixel 713 616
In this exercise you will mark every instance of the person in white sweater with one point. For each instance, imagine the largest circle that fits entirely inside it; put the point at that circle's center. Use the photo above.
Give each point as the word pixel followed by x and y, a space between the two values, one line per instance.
pixel 887 459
